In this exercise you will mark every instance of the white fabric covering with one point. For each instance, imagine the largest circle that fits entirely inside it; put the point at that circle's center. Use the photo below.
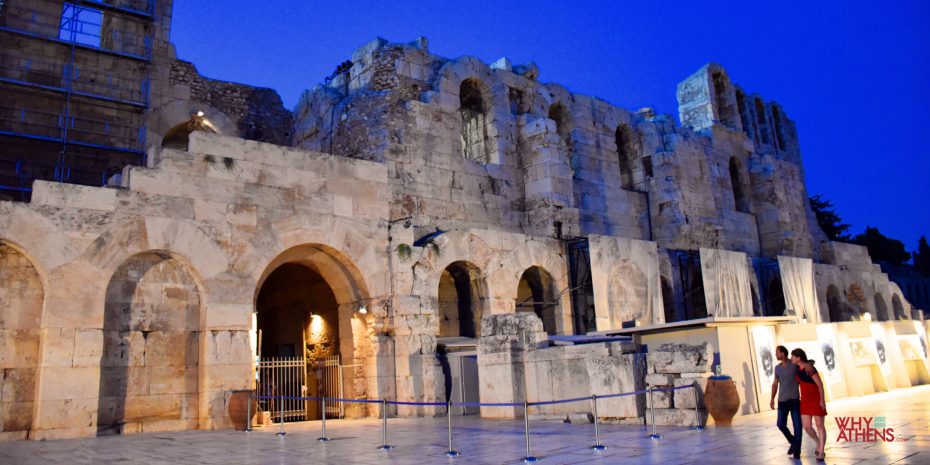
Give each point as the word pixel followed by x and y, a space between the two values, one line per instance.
pixel 797 280
pixel 726 283
pixel 625 277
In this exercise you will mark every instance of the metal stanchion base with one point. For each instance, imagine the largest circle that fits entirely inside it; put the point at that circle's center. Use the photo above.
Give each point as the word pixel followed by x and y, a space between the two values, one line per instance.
pixel 655 436
pixel 531 459
pixel 599 447
pixel 248 430
pixel 699 428
pixel 323 439
pixel 453 453
pixel 281 434
pixel 385 447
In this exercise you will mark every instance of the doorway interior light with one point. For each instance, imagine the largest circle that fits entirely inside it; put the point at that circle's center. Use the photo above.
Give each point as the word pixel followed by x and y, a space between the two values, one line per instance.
pixel 362 309
pixel 200 113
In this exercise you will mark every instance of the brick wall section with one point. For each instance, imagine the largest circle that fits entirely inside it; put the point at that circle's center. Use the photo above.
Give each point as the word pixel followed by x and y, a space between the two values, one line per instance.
pixel 258 112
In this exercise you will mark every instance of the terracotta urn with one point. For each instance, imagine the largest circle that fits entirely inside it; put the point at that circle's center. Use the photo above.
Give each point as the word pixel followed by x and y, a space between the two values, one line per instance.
pixel 721 399
pixel 239 408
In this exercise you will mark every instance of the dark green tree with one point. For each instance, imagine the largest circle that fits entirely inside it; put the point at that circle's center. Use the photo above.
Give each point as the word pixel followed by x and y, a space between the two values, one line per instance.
pixel 882 248
pixel 922 257
pixel 829 221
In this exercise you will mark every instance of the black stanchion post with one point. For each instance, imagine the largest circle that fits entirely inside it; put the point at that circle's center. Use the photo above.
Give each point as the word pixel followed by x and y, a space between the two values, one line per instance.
pixel 652 410
pixel 697 414
pixel 597 434
pixel 526 432
pixel 281 432
pixel 248 414
pixel 324 437
pixel 452 452
pixel 384 445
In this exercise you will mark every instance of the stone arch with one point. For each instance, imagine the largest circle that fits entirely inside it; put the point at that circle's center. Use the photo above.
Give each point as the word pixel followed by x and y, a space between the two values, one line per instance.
pixel 183 239
pixel 775 298
pixel 536 292
pixel 311 296
pixel 473 113
pixel 462 294
pixel 37 238
pixel 739 188
pixel 150 368
pixel 898 306
pixel 881 310
pixel 22 300
pixel 836 306
pixel 178 112
pixel 507 269
pixel 452 78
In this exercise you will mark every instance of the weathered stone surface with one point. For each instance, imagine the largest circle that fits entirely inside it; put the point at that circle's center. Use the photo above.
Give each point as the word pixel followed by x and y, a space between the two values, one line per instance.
pixel 680 358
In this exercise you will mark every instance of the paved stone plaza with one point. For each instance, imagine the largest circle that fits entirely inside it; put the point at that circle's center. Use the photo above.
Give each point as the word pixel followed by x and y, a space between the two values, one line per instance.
pixel 752 439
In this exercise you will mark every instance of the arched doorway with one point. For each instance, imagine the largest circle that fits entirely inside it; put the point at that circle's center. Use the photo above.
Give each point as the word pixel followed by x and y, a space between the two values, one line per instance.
pixel 536 293
pixel 694 295
pixel 309 324
pixel 149 370
pixel 668 300
pixel 898 307
pixel 21 300
pixel 461 300
pixel 775 298
pixel 178 136
pixel 835 304
pixel 881 310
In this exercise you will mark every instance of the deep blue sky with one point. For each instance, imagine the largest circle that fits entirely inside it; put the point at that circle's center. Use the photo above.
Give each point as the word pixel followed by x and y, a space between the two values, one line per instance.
pixel 854 76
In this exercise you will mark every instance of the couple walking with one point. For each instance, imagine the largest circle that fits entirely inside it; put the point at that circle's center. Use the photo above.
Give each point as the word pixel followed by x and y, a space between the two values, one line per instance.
pixel 807 406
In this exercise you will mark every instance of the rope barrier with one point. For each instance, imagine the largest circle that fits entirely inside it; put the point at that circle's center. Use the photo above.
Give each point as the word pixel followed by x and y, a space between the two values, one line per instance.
pixel 474 404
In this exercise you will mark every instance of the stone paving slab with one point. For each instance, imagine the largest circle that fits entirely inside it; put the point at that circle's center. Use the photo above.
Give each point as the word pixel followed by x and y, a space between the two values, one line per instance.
pixel 752 440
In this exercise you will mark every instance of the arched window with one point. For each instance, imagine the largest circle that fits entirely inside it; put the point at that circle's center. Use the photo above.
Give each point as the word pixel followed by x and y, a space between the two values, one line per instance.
pixel 898 307
pixel 761 121
pixel 461 292
pixel 740 196
pixel 625 153
pixel 474 133
pixel 881 309
pixel 559 114
pixel 779 133
pixel 837 309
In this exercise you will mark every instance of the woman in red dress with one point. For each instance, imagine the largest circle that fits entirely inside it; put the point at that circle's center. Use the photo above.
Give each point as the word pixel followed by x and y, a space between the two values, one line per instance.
pixel 813 405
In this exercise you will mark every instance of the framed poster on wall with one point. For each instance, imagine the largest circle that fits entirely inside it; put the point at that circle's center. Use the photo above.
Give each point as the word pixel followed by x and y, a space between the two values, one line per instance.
pixel 763 343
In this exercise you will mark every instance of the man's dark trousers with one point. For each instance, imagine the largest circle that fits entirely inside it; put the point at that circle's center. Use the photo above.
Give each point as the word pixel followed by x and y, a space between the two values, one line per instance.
pixel 792 406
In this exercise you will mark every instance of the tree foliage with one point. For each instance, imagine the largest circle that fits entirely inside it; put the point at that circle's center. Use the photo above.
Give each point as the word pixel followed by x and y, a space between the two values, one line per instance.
pixel 829 221
pixel 882 248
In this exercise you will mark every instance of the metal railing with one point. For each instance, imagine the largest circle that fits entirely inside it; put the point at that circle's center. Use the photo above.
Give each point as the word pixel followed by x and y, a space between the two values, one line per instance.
pixel 452 452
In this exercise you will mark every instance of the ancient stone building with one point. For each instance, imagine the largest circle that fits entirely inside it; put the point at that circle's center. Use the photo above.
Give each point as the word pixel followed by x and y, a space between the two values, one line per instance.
pixel 411 206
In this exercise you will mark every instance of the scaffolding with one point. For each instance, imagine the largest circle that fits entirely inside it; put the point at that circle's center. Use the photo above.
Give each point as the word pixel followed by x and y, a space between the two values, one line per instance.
pixel 76 87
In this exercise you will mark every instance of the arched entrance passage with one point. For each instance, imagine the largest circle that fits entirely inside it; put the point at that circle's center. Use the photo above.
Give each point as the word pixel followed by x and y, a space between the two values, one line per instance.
pixel 536 293
pixel 462 291
pixel 775 298
pixel 178 136
pixel 21 300
pixel 898 307
pixel 310 332
pixel 881 310
pixel 149 369
pixel 835 305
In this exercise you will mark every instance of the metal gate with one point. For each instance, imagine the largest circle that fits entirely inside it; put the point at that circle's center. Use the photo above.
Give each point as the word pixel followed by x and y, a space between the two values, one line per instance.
pixel 329 380
pixel 287 377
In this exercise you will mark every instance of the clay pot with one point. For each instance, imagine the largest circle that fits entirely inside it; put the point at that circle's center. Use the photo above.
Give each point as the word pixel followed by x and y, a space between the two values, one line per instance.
pixel 238 408
pixel 721 399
